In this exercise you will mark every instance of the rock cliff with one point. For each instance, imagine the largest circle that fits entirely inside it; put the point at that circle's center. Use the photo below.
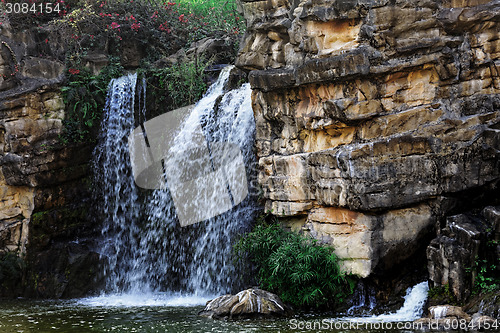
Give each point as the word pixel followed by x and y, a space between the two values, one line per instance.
pixel 44 183
pixel 375 118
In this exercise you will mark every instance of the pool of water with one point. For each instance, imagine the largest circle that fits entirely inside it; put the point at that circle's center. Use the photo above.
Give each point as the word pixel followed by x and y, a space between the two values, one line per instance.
pixel 108 314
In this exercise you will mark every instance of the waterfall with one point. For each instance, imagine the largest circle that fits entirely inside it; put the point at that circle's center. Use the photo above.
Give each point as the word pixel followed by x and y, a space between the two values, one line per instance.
pixel 197 258
pixel 148 250
pixel 114 184
pixel 364 299
pixel 411 310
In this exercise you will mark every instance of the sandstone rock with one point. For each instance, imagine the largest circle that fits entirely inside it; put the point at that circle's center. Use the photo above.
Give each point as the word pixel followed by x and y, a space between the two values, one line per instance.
pixel 370 240
pixel 219 50
pixel 43 185
pixel 247 303
pixel 448 317
pixel 376 107
pixel 39 67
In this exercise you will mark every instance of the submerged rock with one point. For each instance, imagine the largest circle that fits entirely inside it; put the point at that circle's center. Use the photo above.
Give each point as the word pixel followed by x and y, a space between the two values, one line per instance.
pixel 247 303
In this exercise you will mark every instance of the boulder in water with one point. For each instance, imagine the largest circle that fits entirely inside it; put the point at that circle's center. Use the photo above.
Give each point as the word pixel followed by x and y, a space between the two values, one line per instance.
pixel 251 302
pixel 444 311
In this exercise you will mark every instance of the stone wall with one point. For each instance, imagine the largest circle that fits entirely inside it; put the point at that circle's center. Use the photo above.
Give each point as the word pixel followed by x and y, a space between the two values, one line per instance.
pixel 375 118
pixel 44 187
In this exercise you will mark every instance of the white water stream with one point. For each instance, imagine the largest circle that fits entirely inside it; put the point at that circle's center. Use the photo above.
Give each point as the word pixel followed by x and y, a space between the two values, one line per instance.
pixel 151 259
pixel 411 310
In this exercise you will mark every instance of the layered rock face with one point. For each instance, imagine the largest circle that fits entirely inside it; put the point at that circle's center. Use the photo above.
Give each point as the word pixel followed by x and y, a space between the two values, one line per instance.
pixel 43 182
pixel 373 116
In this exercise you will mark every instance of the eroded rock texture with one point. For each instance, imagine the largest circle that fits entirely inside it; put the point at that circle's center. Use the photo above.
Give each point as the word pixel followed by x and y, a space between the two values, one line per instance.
pixel 373 116
pixel 44 187
pixel 462 245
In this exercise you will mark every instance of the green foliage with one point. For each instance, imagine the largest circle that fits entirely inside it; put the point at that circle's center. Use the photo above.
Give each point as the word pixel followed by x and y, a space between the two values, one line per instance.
pixel 85 96
pixel 442 294
pixel 215 15
pixel 297 268
pixel 179 85
pixel 11 269
pixel 487 278
pixel 157 28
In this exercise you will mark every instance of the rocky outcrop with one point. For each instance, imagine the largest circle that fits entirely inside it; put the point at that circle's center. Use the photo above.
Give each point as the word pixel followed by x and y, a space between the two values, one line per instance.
pixel 373 117
pixel 252 302
pixel 44 184
pixel 466 240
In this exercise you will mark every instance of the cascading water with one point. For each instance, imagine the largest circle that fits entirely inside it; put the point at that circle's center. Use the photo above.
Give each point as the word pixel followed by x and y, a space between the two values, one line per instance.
pixel 411 310
pixel 365 300
pixel 118 196
pixel 197 258
pixel 157 255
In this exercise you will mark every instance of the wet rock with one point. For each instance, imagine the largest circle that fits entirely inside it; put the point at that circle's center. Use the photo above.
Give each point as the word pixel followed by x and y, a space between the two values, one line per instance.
pixel 452 255
pixel 44 187
pixel 486 303
pixel 480 321
pixel 252 302
pixel 448 317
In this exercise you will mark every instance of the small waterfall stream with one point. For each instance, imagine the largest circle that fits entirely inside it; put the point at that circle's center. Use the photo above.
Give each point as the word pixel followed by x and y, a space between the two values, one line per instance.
pixel 118 204
pixel 411 310
pixel 148 251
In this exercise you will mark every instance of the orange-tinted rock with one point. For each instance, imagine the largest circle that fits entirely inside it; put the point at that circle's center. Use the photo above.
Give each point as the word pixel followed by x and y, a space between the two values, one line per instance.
pixel 387 106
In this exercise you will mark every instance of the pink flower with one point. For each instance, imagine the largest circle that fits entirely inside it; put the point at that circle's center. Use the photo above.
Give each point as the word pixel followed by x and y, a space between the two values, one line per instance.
pixel 73 71
pixel 114 25
pixel 135 26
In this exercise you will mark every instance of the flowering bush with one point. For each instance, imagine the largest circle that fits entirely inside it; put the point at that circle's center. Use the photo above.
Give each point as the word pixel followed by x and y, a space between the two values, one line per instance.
pixel 160 28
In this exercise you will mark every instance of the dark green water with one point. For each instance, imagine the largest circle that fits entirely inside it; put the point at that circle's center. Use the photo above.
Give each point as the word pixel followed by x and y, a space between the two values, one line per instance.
pixel 72 317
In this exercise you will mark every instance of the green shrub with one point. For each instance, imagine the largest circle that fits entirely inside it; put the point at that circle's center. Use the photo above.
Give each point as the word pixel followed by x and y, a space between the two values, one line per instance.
pixel 487 278
pixel 11 270
pixel 176 86
pixel 297 268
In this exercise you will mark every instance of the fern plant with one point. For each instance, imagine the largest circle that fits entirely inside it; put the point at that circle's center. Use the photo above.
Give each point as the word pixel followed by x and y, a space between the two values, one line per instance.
pixel 85 96
pixel 301 271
